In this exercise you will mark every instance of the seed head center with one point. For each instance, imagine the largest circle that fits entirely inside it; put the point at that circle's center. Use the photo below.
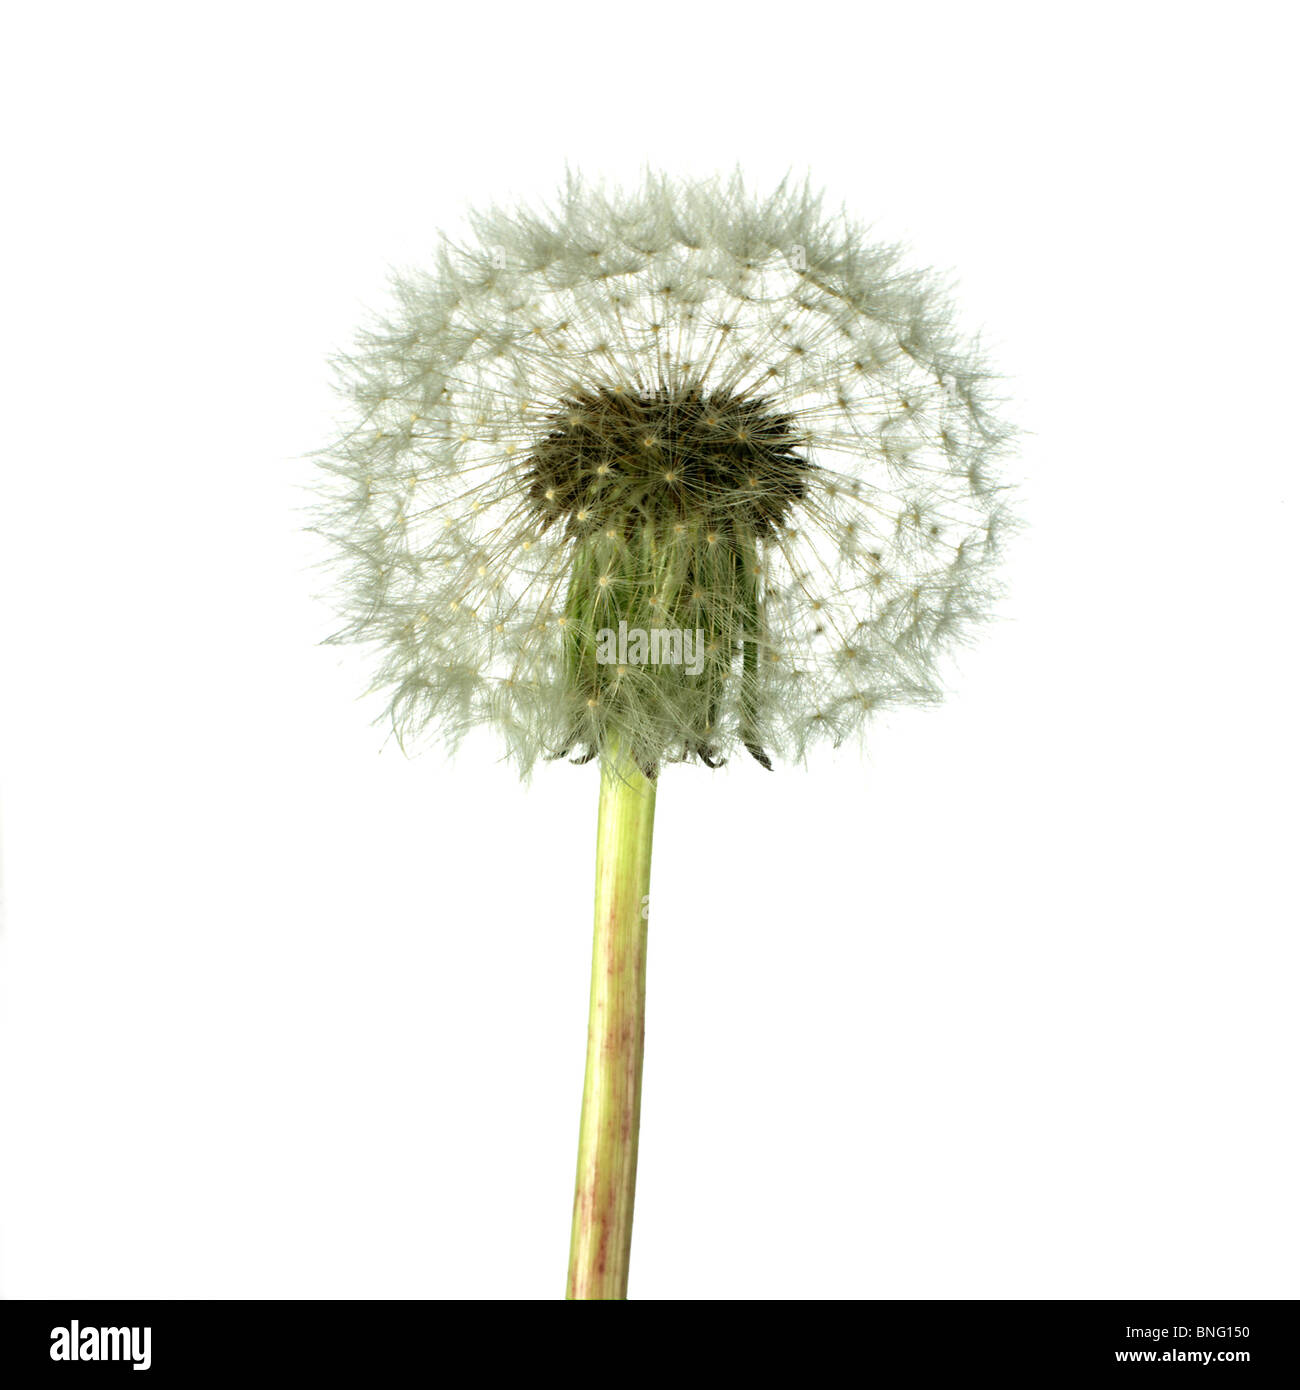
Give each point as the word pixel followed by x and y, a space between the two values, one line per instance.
pixel 615 457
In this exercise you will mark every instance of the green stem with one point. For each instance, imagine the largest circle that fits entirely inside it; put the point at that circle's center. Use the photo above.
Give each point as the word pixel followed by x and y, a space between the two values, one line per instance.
pixel 601 1243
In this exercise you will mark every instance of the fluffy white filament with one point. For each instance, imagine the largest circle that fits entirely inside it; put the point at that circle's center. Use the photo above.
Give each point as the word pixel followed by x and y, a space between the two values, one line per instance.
pixel 443 565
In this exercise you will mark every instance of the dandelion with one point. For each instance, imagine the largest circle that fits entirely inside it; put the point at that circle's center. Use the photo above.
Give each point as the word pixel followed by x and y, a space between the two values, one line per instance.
pixel 679 420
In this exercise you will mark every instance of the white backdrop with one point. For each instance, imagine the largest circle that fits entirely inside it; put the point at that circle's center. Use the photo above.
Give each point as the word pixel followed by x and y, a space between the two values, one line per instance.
pixel 1004 1009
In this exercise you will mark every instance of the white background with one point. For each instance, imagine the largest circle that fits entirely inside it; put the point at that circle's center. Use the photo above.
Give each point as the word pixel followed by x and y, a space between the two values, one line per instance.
pixel 1004 1009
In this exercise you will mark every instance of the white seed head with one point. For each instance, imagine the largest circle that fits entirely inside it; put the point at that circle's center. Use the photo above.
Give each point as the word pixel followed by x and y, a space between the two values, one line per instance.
pixel 678 402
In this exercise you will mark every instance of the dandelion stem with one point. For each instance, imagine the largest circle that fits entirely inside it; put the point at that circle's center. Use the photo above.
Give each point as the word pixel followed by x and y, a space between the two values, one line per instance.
pixel 611 1095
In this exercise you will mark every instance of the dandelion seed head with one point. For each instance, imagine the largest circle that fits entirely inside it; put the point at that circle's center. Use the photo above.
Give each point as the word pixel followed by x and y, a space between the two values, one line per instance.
pixel 682 407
